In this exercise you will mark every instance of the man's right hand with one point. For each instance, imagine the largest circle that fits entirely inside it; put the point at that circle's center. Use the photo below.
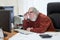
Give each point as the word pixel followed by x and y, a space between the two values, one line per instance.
pixel 26 16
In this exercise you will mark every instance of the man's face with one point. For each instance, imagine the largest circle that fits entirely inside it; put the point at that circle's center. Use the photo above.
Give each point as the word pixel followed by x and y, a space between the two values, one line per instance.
pixel 31 13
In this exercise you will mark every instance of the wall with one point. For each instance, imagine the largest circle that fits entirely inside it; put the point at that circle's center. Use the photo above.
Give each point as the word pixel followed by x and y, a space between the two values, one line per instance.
pixel 41 5
pixel 21 6
pixel 10 3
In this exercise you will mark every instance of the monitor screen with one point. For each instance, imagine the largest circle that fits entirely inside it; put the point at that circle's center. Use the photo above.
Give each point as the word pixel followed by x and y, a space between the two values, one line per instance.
pixel 11 8
pixel 5 20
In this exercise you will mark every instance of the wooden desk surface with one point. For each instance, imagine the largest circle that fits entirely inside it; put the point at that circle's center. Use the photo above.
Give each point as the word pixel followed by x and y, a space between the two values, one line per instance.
pixel 9 35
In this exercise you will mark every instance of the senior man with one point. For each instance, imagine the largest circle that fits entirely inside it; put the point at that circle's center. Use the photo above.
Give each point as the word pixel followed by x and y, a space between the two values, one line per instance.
pixel 37 22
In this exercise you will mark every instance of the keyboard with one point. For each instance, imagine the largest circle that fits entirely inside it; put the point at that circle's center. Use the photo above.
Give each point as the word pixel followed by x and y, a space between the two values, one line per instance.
pixel 23 31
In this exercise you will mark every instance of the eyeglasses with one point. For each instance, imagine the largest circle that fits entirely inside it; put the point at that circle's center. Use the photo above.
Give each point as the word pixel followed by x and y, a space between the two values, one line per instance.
pixel 30 12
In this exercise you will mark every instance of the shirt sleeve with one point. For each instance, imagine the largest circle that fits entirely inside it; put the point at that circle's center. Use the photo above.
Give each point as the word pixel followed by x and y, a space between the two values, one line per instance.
pixel 43 26
pixel 25 24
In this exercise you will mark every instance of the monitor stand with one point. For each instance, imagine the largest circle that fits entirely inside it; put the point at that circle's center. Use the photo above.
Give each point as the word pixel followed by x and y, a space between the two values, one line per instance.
pixel 5 35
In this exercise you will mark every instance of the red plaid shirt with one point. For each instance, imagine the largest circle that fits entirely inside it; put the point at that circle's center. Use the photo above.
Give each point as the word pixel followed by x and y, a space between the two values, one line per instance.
pixel 42 24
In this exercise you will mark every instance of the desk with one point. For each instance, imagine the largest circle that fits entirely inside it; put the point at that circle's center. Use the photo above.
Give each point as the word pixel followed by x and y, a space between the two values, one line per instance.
pixel 19 36
pixel 9 35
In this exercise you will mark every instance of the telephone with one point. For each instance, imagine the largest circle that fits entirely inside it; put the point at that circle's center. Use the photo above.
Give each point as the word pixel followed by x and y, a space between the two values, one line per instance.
pixel 45 36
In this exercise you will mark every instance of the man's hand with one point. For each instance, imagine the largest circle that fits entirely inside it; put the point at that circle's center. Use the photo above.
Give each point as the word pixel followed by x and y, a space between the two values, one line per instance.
pixel 26 16
pixel 28 29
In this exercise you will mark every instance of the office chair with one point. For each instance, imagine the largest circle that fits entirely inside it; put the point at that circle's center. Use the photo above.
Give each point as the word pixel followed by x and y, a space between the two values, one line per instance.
pixel 53 11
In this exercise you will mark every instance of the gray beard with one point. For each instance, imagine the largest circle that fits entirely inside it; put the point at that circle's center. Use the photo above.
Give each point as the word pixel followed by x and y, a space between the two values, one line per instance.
pixel 33 19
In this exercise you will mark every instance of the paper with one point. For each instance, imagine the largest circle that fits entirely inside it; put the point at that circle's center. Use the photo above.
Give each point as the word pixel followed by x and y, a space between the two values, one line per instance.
pixel 35 36
pixel 1 35
pixel 23 31
pixel 19 36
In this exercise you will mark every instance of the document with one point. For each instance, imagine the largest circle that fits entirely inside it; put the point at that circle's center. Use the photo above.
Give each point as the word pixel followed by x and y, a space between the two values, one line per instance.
pixel 35 36
pixel 1 34
pixel 20 36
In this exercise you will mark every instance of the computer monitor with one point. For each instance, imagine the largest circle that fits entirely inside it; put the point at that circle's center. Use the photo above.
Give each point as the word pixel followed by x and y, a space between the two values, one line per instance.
pixel 11 8
pixel 5 20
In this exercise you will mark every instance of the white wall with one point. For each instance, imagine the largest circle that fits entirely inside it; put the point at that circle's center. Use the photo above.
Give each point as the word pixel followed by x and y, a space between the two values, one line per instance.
pixel 21 6
pixel 41 5
pixel 10 3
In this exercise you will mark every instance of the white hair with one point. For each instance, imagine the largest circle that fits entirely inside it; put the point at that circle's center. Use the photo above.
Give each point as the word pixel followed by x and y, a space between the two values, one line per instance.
pixel 36 13
pixel 34 9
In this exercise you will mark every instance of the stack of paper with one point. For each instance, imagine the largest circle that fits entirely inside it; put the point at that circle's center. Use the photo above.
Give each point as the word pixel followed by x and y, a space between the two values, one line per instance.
pixel 19 36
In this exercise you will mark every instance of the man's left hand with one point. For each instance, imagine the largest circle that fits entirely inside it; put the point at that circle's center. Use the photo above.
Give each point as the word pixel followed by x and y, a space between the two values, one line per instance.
pixel 28 29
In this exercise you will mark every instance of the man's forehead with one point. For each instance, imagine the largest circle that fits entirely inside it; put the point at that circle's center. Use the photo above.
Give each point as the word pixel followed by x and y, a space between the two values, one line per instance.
pixel 30 9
